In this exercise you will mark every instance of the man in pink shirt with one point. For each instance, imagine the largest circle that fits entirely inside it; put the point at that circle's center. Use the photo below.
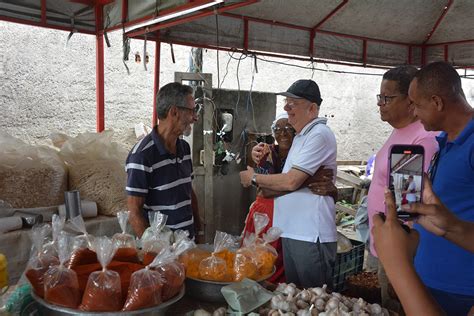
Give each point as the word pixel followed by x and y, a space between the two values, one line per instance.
pixel 397 110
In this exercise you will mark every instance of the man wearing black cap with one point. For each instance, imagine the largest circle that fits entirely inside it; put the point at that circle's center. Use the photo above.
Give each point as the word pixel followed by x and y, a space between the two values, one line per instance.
pixel 307 220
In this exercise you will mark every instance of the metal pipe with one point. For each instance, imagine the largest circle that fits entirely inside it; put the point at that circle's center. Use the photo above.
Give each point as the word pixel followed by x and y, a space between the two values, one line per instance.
pixel 438 21
pixel 99 80
pixel 156 83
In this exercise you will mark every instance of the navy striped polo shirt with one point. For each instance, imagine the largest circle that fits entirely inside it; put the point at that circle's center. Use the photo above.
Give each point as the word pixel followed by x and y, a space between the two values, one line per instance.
pixel 163 179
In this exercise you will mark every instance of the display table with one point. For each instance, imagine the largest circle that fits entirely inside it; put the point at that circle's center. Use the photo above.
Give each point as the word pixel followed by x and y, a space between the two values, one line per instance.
pixel 16 245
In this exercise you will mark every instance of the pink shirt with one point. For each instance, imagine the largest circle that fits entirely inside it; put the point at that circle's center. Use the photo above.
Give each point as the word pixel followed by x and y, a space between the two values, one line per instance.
pixel 412 134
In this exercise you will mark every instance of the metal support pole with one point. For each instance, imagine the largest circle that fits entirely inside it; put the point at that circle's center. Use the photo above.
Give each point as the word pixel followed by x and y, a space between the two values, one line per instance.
pixel 207 171
pixel 156 85
pixel 99 80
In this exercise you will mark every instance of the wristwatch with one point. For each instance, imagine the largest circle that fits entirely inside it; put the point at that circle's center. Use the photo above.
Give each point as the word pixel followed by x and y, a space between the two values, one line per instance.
pixel 254 180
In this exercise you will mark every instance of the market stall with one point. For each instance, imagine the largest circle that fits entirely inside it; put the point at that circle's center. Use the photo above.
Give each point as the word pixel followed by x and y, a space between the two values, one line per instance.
pixel 352 33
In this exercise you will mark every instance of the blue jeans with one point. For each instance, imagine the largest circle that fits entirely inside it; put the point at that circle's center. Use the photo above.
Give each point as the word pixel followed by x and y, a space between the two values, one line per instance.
pixel 451 303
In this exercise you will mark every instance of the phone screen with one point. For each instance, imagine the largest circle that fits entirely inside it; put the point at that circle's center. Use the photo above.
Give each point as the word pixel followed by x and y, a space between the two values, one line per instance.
pixel 406 176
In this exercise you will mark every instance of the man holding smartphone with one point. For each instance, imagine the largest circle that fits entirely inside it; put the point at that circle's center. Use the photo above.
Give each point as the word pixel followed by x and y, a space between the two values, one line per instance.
pixel 397 110
pixel 439 101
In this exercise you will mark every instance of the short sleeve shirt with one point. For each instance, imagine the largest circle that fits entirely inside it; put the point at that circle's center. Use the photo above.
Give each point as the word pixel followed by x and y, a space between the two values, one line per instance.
pixel 301 214
pixel 163 179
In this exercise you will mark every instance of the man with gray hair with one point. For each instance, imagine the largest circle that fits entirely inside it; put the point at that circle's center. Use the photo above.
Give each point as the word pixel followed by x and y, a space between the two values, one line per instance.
pixel 159 167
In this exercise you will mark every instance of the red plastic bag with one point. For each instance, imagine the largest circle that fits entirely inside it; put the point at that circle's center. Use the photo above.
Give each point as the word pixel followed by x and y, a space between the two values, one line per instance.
pixel 39 261
pixel 126 246
pixel 103 291
pixel 61 286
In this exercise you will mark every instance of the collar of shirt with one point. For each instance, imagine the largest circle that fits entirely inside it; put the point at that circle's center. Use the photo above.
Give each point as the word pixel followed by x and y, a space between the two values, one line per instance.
pixel 310 125
pixel 462 137
pixel 161 147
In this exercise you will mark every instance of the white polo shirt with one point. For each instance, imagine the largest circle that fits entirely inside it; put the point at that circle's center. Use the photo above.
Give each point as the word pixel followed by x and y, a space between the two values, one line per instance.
pixel 303 215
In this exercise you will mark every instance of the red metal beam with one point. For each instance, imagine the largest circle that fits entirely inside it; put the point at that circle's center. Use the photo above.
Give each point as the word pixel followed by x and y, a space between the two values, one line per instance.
pixel 99 80
pixel 189 18
pixel 188 5
pixel 246 34
pixel 469 41
pixel 156 84
pixel 446 53
pixel 364 52
pixel 303 28
pixel 39 24
pixel 43 12
pixel 438 22
pixel 124 10
pixel 330 15
pixel 276 55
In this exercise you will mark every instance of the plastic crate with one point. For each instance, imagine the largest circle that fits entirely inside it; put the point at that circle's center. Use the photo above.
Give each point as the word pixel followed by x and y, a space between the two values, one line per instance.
pixel 348 263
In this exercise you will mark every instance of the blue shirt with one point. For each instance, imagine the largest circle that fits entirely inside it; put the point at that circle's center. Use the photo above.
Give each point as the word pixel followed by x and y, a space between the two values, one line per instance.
pixel 163 179
pixel 441 264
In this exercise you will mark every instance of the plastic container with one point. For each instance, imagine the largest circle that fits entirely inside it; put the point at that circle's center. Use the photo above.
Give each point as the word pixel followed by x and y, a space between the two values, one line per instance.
pixel 348 263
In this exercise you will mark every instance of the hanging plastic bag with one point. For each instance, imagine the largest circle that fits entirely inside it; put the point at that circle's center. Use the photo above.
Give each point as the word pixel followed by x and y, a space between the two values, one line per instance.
pixel 95 165
pixel 245 265
pixel 126 246
pixel 39 261
pixel 261 221
pixel 26 168
pixel 265 254
pixel 156 237
pixel 61 286
pixel 57 224
pixel 214 268
pixel 83 252
pixel 171 269
pixel 103 291
pixel 144 290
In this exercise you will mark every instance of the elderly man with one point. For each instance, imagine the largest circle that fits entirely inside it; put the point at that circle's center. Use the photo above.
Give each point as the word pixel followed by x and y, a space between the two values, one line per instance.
pixel 307 219
pixel 446 269
pixel 159 167
pixel 397 110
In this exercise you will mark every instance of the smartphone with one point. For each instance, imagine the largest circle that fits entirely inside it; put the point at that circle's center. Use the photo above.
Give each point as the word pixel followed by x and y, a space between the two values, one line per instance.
pixel 405 179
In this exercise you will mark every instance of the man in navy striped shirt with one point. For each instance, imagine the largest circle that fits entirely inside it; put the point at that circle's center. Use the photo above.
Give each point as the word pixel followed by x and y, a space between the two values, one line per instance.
pixel 159 167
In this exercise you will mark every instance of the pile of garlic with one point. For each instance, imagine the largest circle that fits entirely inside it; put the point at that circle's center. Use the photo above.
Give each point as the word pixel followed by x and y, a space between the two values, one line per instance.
pixel 291 301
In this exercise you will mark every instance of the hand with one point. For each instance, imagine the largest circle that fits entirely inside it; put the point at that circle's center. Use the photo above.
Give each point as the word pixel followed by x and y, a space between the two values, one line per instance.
pixel 321 183
pixel 258 151
pixel 393 244
pixel 246 177
pixel 433 215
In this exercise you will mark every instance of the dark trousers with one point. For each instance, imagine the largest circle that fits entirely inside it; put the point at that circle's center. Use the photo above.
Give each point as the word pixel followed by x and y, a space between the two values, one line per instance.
pixel 309 264
pixel 451 303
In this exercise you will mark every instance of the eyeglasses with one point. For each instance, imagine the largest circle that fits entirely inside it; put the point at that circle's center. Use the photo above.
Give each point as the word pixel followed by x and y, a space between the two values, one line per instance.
pixel 286 129
pixel 386 98
pixel 196 110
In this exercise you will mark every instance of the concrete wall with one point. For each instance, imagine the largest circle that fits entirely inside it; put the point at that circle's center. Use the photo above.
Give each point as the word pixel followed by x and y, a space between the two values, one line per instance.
pixel 47 86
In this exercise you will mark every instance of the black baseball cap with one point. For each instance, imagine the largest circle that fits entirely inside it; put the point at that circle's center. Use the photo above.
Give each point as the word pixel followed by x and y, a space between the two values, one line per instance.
pixel 304 89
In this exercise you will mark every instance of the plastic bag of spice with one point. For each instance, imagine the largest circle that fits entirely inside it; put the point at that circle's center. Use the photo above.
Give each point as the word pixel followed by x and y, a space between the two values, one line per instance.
pixel 214 268
pixel 82 245
pixel 103 290
pixel 156 237
pixel 265 254
pixel 245 265
pixel 39 261
pixel 145 289
pixel 171 269
pixel 61 286
pixel 126 246
pixel 57 224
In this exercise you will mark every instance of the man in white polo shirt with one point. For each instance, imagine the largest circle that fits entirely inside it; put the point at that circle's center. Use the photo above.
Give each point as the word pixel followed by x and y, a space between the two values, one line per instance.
pixel 307 220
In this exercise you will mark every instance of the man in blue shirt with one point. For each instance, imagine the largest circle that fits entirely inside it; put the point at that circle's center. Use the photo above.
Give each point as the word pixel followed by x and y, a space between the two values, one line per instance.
pixel 159 167
pixel 446 269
